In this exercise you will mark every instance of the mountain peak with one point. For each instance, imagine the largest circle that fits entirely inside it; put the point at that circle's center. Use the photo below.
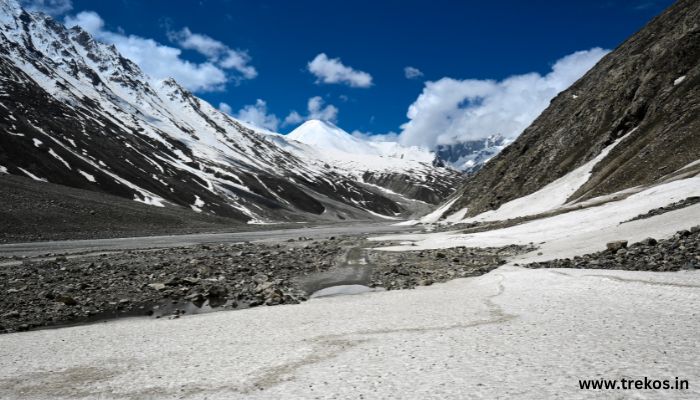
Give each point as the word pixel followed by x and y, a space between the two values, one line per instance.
pixel 326 136
pixel 318 122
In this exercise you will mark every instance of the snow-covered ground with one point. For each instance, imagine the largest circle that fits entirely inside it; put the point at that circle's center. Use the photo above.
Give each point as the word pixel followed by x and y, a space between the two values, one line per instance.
pixel 512 333
pixel 580 231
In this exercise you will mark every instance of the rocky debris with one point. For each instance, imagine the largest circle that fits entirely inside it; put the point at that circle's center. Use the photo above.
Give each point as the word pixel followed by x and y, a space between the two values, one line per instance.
pixel 409 269
pixel 689 201
pixel 177 281
pixel 681 251
pixel 85 288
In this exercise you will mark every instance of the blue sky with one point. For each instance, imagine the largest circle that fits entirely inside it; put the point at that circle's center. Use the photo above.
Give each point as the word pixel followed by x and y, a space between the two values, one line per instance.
pixel 466 40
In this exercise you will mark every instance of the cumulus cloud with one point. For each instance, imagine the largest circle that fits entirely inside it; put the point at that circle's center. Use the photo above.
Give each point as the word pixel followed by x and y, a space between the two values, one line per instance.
pixel 90 21
pixel 451 110
pixel 161 62
pixel 256 114
pixel 376 137
pixel 50 7
pixel 332 70
pixel 316 110
pixel 225 108
pixel 412 72
pixel 215 51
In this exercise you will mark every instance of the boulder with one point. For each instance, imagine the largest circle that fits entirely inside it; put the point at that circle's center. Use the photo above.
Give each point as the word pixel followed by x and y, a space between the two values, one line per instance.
pixel 616 245
pixel 649 242
pixel 217 291
pixel 190 280
pixel 157 286
pixel 67 300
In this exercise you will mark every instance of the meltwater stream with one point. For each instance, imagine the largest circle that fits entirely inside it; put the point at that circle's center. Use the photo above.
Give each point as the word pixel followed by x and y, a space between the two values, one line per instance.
pixel 350 278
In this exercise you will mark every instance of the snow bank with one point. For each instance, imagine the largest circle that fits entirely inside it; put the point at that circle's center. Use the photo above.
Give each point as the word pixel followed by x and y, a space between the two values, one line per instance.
pixel 580 231
pixel 437 214
pixel 548 198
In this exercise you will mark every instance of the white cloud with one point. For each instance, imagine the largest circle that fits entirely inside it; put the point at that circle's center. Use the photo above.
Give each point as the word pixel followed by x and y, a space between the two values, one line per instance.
pixel 332 70
pixel 256 114
pixel 412 72
pixel 225 108
pixel 90 21
pixel 216 51
pixel 160 61
pixel 376 137
pixel 51 7
pixel 293 118
pixel 451 110
pixel 316 110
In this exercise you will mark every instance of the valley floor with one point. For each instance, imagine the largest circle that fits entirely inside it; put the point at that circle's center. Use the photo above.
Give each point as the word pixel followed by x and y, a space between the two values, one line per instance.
pixel 508 332
pixel 511 333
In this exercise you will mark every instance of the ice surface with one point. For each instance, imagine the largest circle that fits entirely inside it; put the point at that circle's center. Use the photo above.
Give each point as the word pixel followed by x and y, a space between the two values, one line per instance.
pixel 343 290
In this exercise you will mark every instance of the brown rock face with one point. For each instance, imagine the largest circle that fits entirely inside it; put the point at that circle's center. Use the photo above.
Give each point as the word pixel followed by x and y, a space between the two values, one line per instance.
pixel 637 88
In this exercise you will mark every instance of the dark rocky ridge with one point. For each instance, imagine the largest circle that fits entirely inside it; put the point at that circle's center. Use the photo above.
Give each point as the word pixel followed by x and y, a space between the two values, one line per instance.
pixel 632 87
pixel 35 211
pixel 432 191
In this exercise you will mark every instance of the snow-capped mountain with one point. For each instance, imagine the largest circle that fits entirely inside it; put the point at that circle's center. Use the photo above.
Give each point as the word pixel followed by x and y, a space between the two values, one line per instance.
pixel 471 155
pixel 328 137
pixel 74 112
pixel 335 142
pixel 405 170
pixel 337 145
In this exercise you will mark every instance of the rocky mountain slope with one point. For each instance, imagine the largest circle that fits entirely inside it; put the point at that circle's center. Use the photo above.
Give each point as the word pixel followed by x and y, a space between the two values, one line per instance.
pixel 470 155
pixel 74 112
pixel 643 97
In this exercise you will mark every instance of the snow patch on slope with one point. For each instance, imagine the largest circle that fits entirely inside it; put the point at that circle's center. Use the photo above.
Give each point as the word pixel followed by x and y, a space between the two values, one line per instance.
pixel 87 176
pixel 437 214
pixel 29 174
pixel 581 231
pixel 548 198
pixel 59 158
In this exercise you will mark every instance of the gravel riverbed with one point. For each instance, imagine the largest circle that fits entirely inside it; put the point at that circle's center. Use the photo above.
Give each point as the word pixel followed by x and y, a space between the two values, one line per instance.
pixel 184 280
